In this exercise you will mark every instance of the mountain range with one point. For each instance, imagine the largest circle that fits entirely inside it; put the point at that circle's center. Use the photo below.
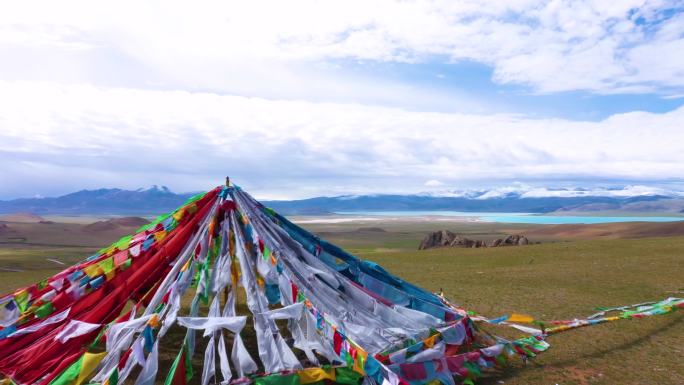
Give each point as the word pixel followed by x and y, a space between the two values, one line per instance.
pixel 151 201
pixel 157 200
pixel 510 204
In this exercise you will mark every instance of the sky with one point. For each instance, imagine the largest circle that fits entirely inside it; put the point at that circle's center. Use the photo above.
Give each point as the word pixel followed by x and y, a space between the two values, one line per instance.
pixel 309 98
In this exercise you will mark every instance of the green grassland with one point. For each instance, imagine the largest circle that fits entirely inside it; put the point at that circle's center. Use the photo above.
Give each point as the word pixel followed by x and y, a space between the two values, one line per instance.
pixel 557 279
pixel 565 280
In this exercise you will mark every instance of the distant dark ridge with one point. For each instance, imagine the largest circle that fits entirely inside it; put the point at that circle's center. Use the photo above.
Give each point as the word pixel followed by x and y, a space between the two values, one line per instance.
pixel 512 204
pixel 152 201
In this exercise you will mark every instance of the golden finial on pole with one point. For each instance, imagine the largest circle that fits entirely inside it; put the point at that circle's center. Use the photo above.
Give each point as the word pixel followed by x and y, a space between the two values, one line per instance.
pixel 227 181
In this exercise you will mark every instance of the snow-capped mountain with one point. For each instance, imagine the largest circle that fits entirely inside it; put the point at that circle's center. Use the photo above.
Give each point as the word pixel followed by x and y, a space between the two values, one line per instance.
pixel 515 198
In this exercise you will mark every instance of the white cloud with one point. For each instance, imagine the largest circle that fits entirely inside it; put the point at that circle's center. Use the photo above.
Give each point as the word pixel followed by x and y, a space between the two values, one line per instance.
pixel 525 190
pixel 626 191
pixel 293 49
pixel 55 138
pixel 433 183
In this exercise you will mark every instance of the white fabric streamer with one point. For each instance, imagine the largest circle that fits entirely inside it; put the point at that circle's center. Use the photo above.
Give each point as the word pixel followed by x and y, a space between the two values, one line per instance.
pixel 526 329
pixel 149 372
pixel 293 311
pixel 123 331
pixel 223 359
pixel 138 351
pixel 273 351
pixel 433 353
pixel 210 324
pixel 209 368
pixel 241 358
pixel 74 329
pixel 48 321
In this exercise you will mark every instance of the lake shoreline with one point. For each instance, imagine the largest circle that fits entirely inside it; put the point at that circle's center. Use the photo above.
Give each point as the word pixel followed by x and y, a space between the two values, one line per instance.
pixel 480 217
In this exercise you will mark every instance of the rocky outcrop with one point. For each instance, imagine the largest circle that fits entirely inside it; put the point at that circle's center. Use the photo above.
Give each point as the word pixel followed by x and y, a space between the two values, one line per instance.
pixel 441 238
pixel 445 238
pixel 510 240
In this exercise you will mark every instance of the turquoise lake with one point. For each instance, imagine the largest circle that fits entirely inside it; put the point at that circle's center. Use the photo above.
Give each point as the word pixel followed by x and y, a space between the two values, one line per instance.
pixel 517 217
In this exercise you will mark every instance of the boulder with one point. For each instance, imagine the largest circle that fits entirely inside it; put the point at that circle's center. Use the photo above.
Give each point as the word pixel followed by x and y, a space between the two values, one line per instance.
pixel 510 240
pixel 441 238
pixel 445 238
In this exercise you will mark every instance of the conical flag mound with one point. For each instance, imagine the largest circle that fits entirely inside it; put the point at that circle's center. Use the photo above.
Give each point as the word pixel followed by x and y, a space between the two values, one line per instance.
pixel 316 313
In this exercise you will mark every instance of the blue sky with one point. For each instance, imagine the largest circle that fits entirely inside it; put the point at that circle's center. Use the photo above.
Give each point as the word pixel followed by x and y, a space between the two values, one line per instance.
pixel 323 98
pixel 475 80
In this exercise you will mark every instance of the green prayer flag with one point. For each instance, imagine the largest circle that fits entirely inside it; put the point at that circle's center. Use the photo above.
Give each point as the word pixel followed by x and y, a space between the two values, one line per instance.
pixel 188 363
pixel 69 375
pixel 113 378
pixel 204 294
pixel 195 198
pixel 473 369
pixel 123 242
pixel 278 379
pixel 44 310
pixel 174 367
pixel 107 265
pixel 22 300
pixel 143 228
pixel 347 376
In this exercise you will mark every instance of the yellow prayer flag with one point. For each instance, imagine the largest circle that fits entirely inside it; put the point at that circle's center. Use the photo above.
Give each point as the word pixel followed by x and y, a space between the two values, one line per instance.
pixel 186 266
pixel 88 365
pixel 522 318
pixel 178 215
pixel 311 375
pixel 235 272
pixel 93 270
pixel 154 321
pixel 430 341
pixel 159 235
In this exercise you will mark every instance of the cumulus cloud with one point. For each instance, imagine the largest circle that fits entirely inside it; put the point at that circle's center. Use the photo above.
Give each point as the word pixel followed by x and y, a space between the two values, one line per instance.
pixel 54 138
pixel 525 190
pixel 433 183
pixel 265 48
